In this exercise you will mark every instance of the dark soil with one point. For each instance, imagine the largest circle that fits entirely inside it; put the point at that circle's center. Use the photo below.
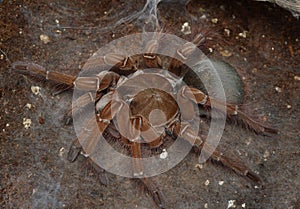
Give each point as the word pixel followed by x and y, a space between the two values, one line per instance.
pixel 263 44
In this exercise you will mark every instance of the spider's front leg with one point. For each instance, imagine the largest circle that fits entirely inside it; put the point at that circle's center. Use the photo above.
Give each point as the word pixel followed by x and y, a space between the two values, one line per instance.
pixel 198 97
pixel 100 82
pixel 36 72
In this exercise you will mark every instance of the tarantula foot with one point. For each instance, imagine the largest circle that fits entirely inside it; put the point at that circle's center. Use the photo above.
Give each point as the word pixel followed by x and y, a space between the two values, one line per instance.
pixel 156 194
pixel 159 199
pixel 270 130
pixel 74 151
pixel 254 177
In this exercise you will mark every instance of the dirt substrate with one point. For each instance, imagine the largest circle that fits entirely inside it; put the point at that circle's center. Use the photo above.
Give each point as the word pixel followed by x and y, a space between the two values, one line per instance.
pixel 261 40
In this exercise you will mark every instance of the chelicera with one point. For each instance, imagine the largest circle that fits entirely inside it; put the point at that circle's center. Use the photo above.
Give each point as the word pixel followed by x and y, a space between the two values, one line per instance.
pixel 141 100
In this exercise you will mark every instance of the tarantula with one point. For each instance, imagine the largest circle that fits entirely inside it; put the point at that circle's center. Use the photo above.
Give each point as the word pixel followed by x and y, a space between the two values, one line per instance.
pixel 141 100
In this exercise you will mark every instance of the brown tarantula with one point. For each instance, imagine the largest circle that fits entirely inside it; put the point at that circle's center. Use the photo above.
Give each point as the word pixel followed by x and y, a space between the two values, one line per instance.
pixel 141 100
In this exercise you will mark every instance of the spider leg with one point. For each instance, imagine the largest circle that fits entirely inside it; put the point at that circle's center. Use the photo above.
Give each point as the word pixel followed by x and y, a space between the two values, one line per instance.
pixel 231 163
pixel 103 81
pixel 74 150
pixel 232 110
pixel 156 194
pixel 37 72
pixel 185 131
pixel 138 124
pixel 111 59
pixel 149 184
pixel 150 58
pixel 183 53
pixel 100 82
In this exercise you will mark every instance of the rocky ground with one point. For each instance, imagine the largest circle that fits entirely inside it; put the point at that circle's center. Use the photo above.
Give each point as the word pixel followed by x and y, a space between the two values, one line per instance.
pixel 261 40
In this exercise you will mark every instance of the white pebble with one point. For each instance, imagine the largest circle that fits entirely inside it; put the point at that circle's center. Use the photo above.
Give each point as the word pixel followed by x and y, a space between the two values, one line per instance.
pixel 278 89
pixel 35 89
pixel 214 20
pixel 44 38
pixel 186 29
pixel 164 154
pixel 200 166
pixel 297 78
pixel 231 204
pixel 28 106
pixel 26 123
pixel 221 183
pixel 206 183
pixel 61 152
pixel 227 32
pixel 243 34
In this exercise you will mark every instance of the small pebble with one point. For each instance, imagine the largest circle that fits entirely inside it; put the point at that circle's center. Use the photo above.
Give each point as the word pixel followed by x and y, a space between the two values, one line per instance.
pixel 244 205
pixel 186 29
pixel 214 20
pixel 227 32
pixel 278 89
pixel 297 78
pixel 200 166
pixel 35 89
pixel 61 152
pixel 206 183
pixel 206 205
pixel 26 123
pixel 231 204
pixel 164 154
pixel 243 34
pixel 221 183
pixel 44 38
pixel 289 106
pixel 28 106
pixel 225 53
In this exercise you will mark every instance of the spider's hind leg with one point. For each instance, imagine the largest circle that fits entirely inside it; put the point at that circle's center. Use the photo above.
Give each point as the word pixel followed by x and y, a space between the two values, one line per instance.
pixel 230 162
